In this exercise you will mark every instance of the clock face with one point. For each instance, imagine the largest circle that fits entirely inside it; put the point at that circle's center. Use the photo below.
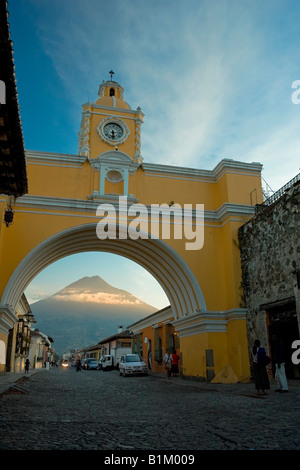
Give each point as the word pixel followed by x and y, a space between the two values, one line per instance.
pixel 113 131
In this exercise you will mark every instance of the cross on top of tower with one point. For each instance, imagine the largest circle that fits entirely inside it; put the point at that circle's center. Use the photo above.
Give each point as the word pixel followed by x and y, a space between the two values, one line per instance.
pixel 111 74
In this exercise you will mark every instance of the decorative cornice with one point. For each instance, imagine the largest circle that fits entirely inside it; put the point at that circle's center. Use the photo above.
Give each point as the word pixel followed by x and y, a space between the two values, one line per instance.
pixel 208 321
pixel 152 319
pixel 229 210
pixel 196 323
pixel 112 156
pixel 153 169
pixel 114 159
pixel 138 112
pixel 7 318
pixel 109 198
pixel 23 306
pixel 225 166
pixel 65 204
pixel 91 203
pixel 59 159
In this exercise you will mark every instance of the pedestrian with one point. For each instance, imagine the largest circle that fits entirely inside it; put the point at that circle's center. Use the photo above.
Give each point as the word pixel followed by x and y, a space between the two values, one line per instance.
pixel 27 364
pixel 150 359
pixel 260 372
pixel 174 365
pixel 168 362
pixel 78 365
pixel 279 359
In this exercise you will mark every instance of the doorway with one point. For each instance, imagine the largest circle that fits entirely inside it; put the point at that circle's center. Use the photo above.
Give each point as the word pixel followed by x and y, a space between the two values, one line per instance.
pixel 283 324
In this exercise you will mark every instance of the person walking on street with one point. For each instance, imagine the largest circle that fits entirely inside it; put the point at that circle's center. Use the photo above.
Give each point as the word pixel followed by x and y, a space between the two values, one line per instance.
pixel 27 364
pixel 78 365
pixel 168 362
pixel 175 361
pixel 279 360
pixel 260 372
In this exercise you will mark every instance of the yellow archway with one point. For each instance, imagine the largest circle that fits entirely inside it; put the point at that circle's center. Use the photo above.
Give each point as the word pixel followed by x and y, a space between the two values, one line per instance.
pixel 59 216
pixel 158 258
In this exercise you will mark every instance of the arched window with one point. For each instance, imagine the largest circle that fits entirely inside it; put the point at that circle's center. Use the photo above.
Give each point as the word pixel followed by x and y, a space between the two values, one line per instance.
pixel 112 92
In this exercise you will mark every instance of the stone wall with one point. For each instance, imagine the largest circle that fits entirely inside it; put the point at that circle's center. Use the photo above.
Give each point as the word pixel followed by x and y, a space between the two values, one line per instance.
pixel 270 253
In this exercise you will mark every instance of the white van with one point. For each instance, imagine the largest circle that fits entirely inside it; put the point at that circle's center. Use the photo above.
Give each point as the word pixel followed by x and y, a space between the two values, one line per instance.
pixel 106 362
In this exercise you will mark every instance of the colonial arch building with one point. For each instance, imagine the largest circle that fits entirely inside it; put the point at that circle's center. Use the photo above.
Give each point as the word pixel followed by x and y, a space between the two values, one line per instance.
pixel 60 215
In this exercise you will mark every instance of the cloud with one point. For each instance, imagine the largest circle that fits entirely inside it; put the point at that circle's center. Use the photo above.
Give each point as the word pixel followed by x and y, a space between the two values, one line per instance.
pixel 98 297
pixel 211 77
pixel 35 292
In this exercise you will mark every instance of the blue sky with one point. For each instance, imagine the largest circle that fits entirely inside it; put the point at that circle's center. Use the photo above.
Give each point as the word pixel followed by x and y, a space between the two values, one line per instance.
pixel 213 77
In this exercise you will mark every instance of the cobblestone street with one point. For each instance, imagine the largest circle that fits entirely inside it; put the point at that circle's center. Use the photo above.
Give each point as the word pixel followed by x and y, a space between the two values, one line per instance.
pixel 94 410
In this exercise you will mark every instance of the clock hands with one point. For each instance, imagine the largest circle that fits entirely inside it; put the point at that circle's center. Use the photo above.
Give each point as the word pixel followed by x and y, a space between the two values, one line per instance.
pixel 113 131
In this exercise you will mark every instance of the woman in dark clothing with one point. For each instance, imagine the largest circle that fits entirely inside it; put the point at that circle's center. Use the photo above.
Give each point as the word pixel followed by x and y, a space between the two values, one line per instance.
pixel 260 372
pixel 27 364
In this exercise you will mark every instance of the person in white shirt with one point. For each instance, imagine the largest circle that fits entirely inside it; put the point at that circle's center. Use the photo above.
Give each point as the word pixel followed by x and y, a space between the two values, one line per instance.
pixel 168 362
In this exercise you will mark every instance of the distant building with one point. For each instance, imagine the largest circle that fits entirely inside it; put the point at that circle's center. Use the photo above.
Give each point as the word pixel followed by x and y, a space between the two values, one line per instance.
pixel 40 349
pixel 122 339
pixel 19 337
pixel 153 336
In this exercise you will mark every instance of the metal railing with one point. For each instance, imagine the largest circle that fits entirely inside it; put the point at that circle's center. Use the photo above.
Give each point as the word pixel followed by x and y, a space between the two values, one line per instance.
pixel 270 200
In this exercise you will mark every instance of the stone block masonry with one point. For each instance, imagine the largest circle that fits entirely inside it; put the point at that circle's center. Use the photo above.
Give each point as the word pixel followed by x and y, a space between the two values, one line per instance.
pixel 270 253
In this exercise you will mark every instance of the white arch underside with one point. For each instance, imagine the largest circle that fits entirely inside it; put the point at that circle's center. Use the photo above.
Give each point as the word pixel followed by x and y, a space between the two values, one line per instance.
pixel 158 258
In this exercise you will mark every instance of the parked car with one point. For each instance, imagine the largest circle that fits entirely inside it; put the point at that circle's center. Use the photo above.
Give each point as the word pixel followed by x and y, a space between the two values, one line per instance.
pixel 90 364
pixel 106 362
pixel 65 363
pixel 132 364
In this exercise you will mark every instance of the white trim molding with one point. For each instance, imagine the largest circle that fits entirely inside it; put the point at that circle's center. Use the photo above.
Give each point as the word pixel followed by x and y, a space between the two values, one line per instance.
pixel 55 159
pixel 208 321
pixel 8 318
pixel 152 320
pixel 226 211
pixel 224 166
pixel 114 160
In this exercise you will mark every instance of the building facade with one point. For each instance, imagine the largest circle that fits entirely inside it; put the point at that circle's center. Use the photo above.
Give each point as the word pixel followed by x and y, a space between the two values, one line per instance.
pixel 153 336
pixel 107 198
pixel 13 183
pixel 270 255
pixel 40 352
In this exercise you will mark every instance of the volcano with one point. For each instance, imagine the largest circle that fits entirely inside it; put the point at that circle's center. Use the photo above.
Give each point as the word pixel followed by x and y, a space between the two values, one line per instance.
pixel 85 312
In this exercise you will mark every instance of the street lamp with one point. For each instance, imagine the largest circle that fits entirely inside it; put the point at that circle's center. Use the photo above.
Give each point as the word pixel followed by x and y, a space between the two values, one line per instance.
pixel 8 216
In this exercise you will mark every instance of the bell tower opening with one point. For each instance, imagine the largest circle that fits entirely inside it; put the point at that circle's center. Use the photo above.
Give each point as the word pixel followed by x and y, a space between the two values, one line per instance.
pixel 115 123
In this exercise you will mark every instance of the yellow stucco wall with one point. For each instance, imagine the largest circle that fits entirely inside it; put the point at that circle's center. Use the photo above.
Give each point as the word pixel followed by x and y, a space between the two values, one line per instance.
pixel 229 348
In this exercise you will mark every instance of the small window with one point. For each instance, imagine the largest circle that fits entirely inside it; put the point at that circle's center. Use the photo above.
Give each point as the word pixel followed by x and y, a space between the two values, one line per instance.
pixel 114 176
pixel 112 92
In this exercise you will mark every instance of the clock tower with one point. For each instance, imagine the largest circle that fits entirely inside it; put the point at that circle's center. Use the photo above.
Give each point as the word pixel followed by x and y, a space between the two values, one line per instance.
pixel 110 138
